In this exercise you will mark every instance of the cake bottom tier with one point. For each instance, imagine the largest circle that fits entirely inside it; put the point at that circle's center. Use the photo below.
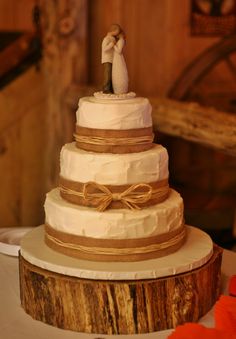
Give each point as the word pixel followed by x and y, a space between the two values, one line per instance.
pixel 119 306
pixel 114 235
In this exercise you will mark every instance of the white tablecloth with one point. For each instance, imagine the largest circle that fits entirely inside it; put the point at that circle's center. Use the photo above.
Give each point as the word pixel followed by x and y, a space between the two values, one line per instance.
pixel 16 324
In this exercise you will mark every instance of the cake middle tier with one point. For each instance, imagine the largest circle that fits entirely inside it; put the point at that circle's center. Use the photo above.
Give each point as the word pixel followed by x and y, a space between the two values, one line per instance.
pixel 114 169
pixel 114 224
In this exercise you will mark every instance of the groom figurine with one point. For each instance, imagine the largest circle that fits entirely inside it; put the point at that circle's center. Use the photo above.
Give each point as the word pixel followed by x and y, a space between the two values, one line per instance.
pixel 107 56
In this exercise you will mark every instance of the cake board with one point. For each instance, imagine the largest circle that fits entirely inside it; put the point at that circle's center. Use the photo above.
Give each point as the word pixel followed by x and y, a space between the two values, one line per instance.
pixel 122 300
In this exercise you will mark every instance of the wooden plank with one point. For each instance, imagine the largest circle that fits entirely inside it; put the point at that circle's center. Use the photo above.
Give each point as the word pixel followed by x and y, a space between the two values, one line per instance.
pixel 10 168
pixel 16 15
pixel 32 149
pixel 193 122
pixel 23 140
pixel 15 53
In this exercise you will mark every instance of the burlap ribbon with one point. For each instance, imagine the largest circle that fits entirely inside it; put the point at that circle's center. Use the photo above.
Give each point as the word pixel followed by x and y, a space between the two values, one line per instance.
pixel 114 141
pixel 102 197
pixel 114 249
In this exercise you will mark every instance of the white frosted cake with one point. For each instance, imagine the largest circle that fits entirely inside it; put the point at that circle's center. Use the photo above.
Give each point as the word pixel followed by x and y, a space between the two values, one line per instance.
pixel 114 202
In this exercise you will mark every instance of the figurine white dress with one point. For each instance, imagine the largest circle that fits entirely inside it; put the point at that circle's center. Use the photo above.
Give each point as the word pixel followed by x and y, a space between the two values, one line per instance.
pixel 119 69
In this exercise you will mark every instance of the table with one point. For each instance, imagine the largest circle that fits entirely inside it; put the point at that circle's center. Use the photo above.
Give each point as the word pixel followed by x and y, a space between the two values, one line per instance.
pixel 16 324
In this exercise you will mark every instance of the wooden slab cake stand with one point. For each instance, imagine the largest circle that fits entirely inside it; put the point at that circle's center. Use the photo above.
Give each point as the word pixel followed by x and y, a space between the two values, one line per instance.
pixel 119 298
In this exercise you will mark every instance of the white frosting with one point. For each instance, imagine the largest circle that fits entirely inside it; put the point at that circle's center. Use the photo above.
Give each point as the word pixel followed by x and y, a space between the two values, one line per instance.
pixel 194 253
pixel 114 114
pixel 114 169
pixel 114 223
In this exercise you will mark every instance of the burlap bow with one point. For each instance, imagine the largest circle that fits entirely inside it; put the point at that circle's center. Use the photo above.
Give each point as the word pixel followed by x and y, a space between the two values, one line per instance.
pixel 130 197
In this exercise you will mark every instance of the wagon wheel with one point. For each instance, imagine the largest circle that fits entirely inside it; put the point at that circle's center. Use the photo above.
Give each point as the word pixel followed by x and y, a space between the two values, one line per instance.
pixel 201 65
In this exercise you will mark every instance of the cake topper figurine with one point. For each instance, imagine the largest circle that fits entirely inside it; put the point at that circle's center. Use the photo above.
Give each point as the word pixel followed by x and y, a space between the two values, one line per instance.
pixel 115 70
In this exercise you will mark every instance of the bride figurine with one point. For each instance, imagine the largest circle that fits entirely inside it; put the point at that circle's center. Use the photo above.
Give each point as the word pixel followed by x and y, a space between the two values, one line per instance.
pixel 119 69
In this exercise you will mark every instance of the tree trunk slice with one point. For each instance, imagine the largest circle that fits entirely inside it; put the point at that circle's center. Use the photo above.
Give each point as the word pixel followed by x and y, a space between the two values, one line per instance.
pixel 119 307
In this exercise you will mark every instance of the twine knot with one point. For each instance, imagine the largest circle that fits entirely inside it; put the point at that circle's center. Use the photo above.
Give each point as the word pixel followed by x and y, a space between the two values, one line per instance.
pixel 116 196
pixel 103 197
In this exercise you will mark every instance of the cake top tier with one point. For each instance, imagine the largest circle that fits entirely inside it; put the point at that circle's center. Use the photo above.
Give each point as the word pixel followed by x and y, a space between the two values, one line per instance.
pixel 115 114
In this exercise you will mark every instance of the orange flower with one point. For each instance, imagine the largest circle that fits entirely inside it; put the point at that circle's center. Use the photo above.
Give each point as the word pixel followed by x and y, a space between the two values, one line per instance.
pixel 232 286
pixel 225 314
pixel 196 331
pixel 225 323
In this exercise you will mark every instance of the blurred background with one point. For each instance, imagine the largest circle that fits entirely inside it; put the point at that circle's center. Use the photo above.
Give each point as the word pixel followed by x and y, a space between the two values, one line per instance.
pixel 177 53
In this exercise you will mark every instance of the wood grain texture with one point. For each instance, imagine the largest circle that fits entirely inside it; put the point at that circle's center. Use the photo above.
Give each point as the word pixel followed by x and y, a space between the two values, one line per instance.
pixel 16 15
pixel 15 53
pixel 119 307
pixel 193 122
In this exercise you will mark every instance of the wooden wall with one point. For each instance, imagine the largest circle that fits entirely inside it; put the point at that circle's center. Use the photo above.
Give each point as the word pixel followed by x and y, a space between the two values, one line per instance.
pixel 23 142
pixel 16 15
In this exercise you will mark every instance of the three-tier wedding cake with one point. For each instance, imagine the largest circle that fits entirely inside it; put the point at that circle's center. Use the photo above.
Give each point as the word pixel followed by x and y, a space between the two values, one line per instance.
pixel 114 206
pixel 114 237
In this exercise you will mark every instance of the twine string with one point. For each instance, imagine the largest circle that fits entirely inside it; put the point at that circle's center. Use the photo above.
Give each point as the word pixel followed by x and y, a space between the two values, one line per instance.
pixel 130 197
pixel 103 197
pixel 96 140
pixel 121 251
